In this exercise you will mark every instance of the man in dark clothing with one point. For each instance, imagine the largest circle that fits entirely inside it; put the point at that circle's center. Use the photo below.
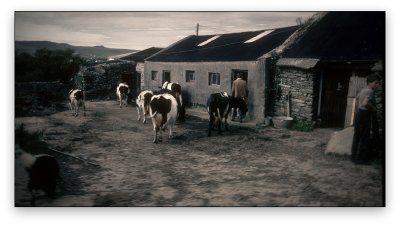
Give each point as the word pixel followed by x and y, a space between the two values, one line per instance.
pixel 365 127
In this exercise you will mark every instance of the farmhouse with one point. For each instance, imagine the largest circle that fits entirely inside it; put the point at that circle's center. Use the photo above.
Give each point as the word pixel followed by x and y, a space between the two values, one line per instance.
pixel 209 63
pixel 322 70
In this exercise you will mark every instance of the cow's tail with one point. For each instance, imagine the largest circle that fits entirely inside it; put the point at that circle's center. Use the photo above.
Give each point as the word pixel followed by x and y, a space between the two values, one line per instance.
pixel 180 100
pixel 153 115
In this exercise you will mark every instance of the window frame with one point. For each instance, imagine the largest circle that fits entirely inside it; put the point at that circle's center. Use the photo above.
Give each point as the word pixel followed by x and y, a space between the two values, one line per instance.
pixel 154 75
pixel 189 79
pixel 214 76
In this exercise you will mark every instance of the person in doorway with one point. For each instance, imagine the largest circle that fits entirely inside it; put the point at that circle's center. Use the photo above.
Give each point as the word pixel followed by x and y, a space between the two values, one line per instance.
pixel 239 89
pixel 366 126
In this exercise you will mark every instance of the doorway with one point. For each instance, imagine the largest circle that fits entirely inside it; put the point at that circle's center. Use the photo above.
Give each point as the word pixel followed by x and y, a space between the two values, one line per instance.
pixel 166 76
pixel 334 98
pixel 235 73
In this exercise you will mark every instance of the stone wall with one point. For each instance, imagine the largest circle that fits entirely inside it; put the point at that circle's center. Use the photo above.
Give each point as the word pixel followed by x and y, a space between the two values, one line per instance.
pixel 100 80
pixel 299 89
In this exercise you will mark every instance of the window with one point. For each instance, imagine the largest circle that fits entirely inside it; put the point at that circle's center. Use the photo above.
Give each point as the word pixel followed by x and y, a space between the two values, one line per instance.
pixel 190 76
pixel 154 75
pixel 213 79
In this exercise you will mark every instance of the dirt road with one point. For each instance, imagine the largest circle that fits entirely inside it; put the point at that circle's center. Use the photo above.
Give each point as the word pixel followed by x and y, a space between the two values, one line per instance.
pixel 246 166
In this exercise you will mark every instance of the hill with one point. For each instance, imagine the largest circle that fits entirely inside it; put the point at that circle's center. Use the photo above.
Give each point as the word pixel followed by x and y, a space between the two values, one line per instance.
pixel 99 52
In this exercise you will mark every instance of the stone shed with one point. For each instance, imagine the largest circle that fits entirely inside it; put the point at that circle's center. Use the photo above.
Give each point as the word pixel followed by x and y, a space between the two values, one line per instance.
pixel 321 71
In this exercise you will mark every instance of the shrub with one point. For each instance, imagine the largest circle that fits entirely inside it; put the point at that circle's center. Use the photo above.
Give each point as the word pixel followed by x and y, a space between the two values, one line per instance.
pixel 302 125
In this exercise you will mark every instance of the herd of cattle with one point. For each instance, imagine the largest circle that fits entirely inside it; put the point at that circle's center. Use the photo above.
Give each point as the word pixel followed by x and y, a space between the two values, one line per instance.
pixel 165 106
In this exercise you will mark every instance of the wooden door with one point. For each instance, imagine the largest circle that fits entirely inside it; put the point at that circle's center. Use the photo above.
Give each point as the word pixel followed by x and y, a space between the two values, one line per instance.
pixel 334 103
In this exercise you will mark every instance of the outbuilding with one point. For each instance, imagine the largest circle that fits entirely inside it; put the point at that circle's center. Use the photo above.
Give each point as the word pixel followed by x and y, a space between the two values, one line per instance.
pixel 322 70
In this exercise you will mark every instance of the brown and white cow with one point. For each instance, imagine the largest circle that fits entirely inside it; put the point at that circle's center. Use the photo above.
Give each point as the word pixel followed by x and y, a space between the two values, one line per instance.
pixel 76 100
pixel 142 104
pixel 163 113
pixel 122 93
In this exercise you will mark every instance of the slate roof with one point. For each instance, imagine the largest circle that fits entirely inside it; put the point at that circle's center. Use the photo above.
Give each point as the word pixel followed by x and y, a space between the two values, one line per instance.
pixel 343 36
pixel 141 55
pixel 228 47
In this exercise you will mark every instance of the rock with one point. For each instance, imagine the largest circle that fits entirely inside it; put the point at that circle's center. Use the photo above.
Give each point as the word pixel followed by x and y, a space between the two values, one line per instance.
pixel 340 142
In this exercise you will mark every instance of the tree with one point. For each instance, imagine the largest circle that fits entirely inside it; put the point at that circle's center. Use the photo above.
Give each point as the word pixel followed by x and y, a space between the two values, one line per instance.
pixel 47 65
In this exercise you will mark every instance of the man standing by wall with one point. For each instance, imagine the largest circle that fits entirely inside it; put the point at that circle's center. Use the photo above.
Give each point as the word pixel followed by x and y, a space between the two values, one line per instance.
pixel 366 125
pixel 239 89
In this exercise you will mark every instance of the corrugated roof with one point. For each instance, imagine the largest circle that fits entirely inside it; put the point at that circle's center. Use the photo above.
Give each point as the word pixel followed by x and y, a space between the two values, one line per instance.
pixel 342 36
pixel 227 47
pixel 141 55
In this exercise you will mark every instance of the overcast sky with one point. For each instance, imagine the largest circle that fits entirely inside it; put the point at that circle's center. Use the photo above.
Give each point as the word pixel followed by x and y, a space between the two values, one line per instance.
pixel 141 30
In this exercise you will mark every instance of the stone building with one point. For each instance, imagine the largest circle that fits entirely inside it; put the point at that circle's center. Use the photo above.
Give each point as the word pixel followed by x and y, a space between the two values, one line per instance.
pixel 321 71
pixel 209 64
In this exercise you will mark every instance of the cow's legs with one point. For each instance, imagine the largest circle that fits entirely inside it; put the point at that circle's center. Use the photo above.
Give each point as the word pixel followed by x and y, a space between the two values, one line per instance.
pixel 144 114
pixel 219 118
pixel 210 125
pixel 170 131
pixel 138 112
pixel 155 135
pixel 160 136
pixel 70 106
pixel 226 123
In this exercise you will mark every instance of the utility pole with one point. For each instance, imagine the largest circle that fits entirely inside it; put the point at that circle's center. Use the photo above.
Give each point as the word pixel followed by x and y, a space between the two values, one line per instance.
pixel 197 30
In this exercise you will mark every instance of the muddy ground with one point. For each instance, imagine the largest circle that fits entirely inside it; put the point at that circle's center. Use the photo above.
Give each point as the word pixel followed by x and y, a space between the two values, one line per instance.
pixel 118 165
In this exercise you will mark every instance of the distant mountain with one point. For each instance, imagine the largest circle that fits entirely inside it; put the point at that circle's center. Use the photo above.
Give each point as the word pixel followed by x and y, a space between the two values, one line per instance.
pixel 98 52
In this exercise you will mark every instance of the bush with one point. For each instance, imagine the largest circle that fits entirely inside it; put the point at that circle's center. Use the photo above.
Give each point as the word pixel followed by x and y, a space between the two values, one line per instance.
pixel 302 125
pixel 46 65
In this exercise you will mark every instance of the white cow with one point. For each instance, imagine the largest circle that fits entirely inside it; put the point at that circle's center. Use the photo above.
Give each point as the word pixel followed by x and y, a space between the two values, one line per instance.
pixel 163 113
pixel 142 103
pixel 122 92
pixel 76 100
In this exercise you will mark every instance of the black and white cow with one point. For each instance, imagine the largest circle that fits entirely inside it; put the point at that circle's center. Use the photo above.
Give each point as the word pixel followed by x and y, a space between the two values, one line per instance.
pixel 163 113
pixel 218 107
pixel 240 104
pixel 142 103
pixel 76 100
pixel 43 171
pixel 123 93
pixel 177 92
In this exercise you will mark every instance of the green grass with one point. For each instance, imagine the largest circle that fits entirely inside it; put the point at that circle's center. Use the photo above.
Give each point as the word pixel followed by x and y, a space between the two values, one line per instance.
pixel 302 125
